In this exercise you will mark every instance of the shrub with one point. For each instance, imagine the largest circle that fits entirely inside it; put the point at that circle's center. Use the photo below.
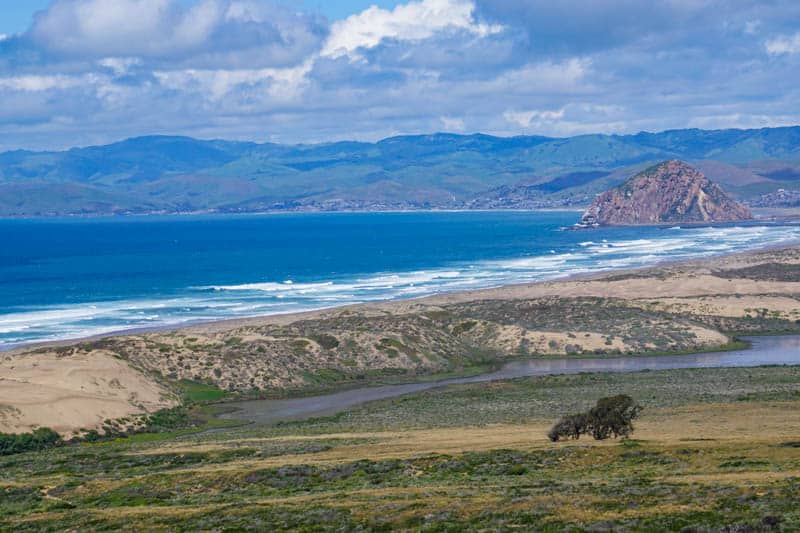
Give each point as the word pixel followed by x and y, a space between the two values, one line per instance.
pixel 612 416
pixel 326 341
pixel 168 419
pixel 569 427
pixel 464 327
pixel 91 436
pixel 37 440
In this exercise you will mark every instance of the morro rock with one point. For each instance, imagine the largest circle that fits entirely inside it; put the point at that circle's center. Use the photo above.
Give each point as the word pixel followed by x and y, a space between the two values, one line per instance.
pixel 668 193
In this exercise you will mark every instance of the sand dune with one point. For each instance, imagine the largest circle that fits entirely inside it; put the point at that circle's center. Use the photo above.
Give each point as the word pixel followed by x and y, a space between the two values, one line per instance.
pixel 69 393
pixel 689 305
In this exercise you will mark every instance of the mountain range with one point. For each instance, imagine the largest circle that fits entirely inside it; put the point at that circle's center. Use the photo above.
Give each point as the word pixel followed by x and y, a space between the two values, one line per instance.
pixel 161 174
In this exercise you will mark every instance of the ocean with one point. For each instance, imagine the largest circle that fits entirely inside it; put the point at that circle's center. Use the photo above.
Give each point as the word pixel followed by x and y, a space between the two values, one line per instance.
pixel 76 277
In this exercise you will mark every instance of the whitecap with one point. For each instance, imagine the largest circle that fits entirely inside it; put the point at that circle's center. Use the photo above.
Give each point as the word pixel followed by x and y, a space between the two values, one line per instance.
pixel 291 295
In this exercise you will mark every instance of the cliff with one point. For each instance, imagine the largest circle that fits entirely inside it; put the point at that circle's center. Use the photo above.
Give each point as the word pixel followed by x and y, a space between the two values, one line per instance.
pixel 667 193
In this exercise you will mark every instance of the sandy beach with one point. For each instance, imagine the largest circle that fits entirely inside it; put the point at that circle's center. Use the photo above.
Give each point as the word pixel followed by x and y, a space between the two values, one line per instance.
pixel 681 306
pixel 682 282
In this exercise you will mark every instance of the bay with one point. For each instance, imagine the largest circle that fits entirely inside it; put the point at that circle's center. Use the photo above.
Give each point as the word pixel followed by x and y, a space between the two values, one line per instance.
pixel 76 277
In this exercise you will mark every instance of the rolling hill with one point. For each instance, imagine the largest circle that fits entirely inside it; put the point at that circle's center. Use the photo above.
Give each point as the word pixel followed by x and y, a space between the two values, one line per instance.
pixel 160 174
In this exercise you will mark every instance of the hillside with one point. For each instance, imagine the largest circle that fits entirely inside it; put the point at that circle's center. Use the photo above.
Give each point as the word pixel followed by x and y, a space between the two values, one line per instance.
pixel 181 174
pixel 671 192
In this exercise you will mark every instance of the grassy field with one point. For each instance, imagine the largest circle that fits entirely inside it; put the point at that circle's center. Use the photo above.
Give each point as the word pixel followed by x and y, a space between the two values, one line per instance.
pixel 714 449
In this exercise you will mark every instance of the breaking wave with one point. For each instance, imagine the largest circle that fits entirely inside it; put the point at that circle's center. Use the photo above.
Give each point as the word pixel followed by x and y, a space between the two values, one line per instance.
pixel 215 302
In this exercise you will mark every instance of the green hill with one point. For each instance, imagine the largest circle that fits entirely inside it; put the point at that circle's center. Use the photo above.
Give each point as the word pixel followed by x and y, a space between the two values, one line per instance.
pixel 181 174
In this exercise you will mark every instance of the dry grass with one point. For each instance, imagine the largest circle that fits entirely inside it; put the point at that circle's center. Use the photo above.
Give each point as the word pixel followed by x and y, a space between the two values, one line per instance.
pixel 707 464
pixel 754 422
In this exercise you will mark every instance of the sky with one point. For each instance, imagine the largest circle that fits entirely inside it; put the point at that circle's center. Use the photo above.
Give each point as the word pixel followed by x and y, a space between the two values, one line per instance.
pixel 81 72
pixel 17 15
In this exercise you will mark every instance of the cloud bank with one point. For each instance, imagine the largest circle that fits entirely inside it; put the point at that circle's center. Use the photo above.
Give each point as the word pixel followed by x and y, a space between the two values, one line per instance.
pixel 91 71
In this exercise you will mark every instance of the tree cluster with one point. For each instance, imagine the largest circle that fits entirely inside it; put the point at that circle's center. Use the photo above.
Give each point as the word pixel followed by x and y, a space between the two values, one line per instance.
pixel 612 416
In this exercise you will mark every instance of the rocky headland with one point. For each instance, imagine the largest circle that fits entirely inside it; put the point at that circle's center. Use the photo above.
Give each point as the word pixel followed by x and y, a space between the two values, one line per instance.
pixel 670 192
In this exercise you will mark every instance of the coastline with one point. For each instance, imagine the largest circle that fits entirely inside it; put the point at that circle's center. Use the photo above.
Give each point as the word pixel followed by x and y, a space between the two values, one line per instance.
pixel 760 213
pixel 673 308
pixel 445 297
pixel 121 216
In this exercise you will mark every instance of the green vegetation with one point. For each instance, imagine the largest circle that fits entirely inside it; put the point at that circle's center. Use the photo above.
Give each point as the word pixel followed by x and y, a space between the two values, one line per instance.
pixel 464 171
pixel 326 341
pixel 194 392
pixel 39 439
pixel 765 271
pixel 547 398
pixel 642 330
pixel 612 416
pixel 357 349
pixel 570 427
pixel 162 424
pixel 465 457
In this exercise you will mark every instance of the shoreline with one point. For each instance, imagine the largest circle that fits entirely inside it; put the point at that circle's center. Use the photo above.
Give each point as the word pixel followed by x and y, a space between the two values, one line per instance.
pixel 680 308
pixel 178 214
pixel 431 299
pixel 781 214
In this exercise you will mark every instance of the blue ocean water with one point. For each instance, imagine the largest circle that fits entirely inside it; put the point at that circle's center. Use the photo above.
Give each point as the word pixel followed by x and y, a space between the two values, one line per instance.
pixel 68 278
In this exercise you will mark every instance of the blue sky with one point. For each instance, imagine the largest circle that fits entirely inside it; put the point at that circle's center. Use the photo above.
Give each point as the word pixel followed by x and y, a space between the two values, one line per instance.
pixel 17 15
pixel 92 71
pixel 339 9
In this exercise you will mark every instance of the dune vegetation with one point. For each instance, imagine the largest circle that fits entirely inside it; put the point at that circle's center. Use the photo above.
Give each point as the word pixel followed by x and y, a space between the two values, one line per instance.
pixel 679 308
pixel 712 449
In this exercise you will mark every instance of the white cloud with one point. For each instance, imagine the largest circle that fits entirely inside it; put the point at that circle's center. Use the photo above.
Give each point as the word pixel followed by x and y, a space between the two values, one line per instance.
pixel 525 119
pixel 197 34
pixel 95 70
pixel 248 11
pixel 283 84
pixel 197 24
pixel 407 22
pixel 36 83
pixel 572 118
pixel 119 65
pixel 784 45
pixel 453 123
pixel 740 120
pixel 598 109
pixel 3 36
pixel 547 77
pixel 123 27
